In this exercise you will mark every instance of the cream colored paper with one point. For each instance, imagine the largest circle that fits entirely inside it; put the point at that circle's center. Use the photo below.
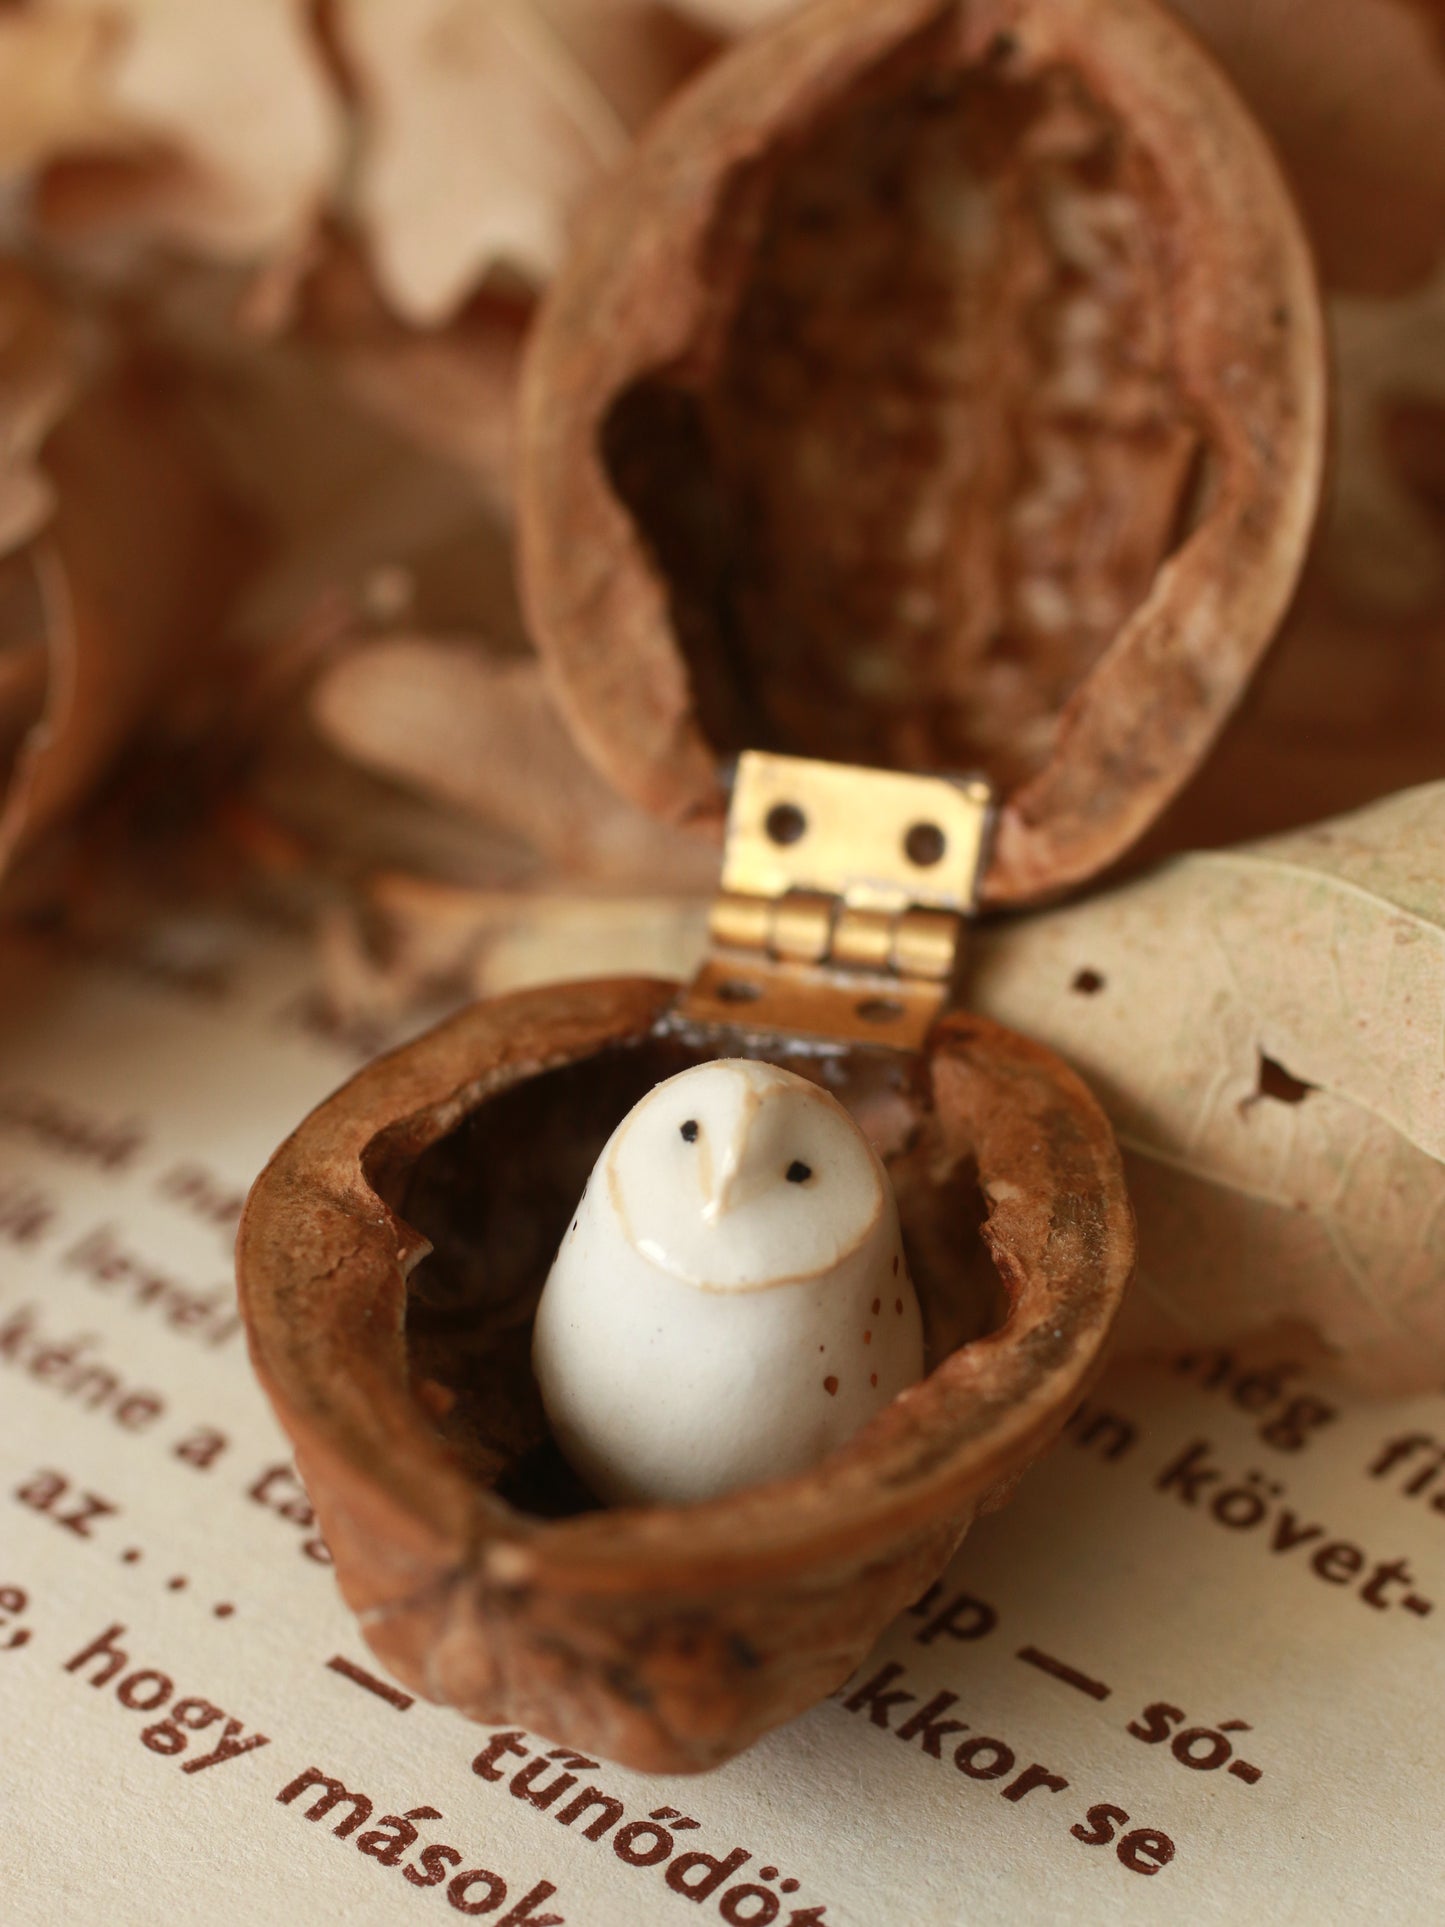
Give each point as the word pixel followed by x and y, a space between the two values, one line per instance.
pixel 1196 1666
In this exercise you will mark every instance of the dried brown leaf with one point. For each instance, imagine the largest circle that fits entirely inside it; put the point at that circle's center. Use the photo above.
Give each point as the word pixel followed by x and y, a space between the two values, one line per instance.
pixel 636 51
pixel 363 520
pixel 1353 704
pixel 213 127
pixel 451 390
pixel 481 736
pixel 126 581
pixel 411 940
pixel 1266 1027
pixel 479 131
pixel 1353 92
pixel 1383 535
pixel 547 937
pixel 327 819
pixel 37 378
pixel 483 127
pixel 52 85
pixel 734 16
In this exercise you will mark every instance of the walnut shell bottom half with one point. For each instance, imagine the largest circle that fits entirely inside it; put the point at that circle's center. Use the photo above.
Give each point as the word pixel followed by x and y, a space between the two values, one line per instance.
pixel 390 1260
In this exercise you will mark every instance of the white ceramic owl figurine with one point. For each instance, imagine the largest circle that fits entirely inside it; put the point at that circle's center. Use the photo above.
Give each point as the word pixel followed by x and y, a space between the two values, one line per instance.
pixel 731 1299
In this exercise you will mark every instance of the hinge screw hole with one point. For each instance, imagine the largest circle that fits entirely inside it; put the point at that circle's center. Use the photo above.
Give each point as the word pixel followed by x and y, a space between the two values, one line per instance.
pixel 924 845
pixel 785 823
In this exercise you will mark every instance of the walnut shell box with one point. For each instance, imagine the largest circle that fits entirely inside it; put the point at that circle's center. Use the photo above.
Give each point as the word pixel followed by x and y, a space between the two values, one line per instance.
pixel 937 388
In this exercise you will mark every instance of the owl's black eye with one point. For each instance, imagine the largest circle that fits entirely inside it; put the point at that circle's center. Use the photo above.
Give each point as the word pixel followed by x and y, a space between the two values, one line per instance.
pixel 798 1172
pixel 689 1131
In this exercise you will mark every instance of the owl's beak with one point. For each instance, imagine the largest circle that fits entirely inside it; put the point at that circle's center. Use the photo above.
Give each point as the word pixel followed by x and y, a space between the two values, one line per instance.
pixel 717 1198
pixel 732 1171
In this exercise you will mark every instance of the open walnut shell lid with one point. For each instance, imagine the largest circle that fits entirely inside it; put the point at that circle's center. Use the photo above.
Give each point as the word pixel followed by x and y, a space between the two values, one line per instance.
pixel 390 1260
pixel 939 387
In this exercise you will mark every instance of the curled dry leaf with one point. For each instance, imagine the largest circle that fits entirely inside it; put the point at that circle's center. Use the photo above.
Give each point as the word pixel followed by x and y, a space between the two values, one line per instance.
pixel 481 736
pixel 735 16
pixel 1353 704
pixel 130 570
pixel 482 127
pixel 418 942
pixel 1264 1026
pixel 52 64
pixel 113 557
pixel 37 377
pixel 449 390
pixel 37 381
pixel 211 126
pixel 1353 92
pixel 354 510
pixel 1386 523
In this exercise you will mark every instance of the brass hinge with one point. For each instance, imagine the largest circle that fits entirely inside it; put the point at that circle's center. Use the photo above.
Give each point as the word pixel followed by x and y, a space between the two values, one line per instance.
pixel 843 902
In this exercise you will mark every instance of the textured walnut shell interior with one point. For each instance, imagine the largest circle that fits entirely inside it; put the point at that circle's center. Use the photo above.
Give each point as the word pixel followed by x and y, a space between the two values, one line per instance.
pixel 939 387
pixel 390 1259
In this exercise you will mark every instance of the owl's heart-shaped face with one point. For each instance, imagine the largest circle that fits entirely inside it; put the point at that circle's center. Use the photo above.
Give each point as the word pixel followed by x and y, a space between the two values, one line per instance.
pixel 737 1174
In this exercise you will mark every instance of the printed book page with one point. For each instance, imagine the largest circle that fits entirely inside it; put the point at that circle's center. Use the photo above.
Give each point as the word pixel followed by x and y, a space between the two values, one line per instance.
pixel 1193 1671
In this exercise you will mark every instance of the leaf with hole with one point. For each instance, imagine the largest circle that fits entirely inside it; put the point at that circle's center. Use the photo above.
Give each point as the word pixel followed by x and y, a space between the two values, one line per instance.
pixel 1266 1027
